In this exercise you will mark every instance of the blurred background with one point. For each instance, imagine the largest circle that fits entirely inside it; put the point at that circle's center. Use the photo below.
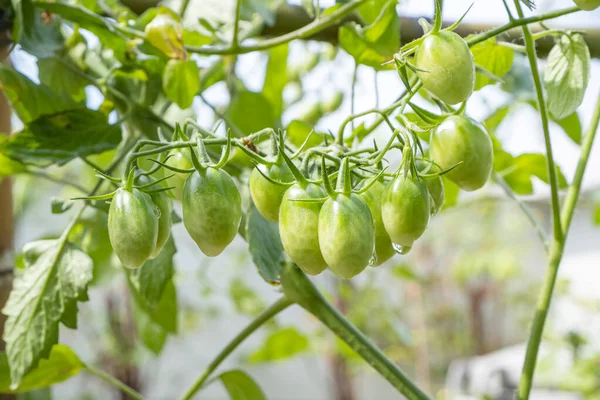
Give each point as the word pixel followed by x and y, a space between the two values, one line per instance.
pixel 453 313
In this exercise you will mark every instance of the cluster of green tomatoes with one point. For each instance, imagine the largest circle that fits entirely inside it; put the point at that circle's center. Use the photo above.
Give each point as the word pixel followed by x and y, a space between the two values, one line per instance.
pixel 364 219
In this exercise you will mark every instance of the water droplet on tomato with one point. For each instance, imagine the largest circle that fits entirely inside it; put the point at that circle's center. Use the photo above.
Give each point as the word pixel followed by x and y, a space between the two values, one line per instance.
pixel 401 249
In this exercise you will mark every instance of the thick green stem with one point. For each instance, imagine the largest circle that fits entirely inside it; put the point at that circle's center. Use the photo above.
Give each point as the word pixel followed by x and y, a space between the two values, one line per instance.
pixel 556 251
pixel 302 33
pixel 298 288
pixel 108 378
pixel 532 56
pixel 519 22
pixel 269 313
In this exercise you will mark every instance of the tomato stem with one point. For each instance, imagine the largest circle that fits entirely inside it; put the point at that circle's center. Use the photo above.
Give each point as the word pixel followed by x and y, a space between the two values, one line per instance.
pixel 108 378
pixel 298 288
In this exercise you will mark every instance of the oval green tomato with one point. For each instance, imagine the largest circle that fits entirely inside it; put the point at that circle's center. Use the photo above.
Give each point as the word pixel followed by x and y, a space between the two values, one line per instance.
pixel 405 210
pixel 434 185
pixel 346 235
pixel 267 196
pixel 180 158
pixel 299 226
pixel 450 67
pixel 460 139
pixel 383 244
pixel 132 226
pixel 587 5
pixel 212 210
pixel 164 204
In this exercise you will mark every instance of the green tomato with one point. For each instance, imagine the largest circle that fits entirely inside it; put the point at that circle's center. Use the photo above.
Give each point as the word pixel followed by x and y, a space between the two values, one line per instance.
pixel 346 235
pixel 434 185
pixel 299 226
pixel 132 226
pixel 405 210
pixel 267 196
pixel 180 158
pixel 460 139
pixel 383 244
pixel 587 5
pixel 164 204
pixel 450 67
pixel 212 210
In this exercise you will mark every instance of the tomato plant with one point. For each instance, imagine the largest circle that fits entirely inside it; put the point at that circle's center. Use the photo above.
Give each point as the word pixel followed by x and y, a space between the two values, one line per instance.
pixel 152 129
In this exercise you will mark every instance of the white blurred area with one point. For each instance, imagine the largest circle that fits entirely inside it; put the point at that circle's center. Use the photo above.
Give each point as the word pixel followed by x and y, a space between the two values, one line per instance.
pixel 307 376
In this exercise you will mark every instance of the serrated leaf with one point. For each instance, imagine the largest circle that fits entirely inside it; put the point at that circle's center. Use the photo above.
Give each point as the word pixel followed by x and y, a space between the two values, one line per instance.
pixel 241 386
pixel 151 279
pixel 62 364
pixel 281 345
pixel 61 137
pixel 30 101
pixel 55 277
pixel 566 75
pixel 264 244
pixel 492 57
pixel 181 81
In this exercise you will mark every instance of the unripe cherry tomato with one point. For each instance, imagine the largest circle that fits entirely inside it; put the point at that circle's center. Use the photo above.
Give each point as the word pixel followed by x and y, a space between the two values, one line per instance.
pixel 132 226
pixel 434 185
pixel 267 196
pixel 164 204
pixel 212 209
pixel 462 139
pixel 383 244
pixel 299 225
pixel 405 210
pixel 449 64
pixel 587 5
pixel 180 158
pixel 346 235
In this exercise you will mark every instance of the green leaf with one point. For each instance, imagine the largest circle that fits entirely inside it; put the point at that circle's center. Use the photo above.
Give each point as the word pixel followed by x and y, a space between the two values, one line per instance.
pixel 518 171
pixel 152 335
pixel 566 75
pixel 165 32
pixel 297 132
pixel 151 279
pixel 101 27
pixel 250 112
pixel 196 38
pixel 241 386
pixel 597 214
pixel 245 300
pixel 405 272
pixel 62 364
pixel 44 40
pixel 55 277
pixel 62 80
pixel 276 78
pixel 493 121
pixel 377 42
pixel 29 100
pixel 59 138
pixel 571 124
pixel 23 18
pixel 281 345
pixel 265 245
pixel 181 81
pixel 492 57
pixel 165 313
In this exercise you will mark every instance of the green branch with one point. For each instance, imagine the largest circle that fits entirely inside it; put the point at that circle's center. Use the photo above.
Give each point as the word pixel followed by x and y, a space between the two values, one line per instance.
pixel 111 380
pixel 545 296
pixel 269 313
pixel 306 31
pixel 298 288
